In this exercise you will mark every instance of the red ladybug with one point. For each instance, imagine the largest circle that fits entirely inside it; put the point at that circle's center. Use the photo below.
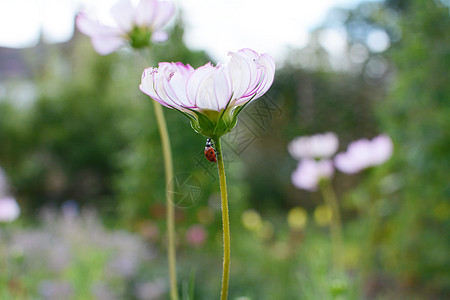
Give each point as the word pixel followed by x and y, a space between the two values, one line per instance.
pixel 210 153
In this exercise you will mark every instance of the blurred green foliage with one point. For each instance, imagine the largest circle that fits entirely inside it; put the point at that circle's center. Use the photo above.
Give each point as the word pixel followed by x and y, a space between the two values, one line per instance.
pixel 85 261
pixel 413 218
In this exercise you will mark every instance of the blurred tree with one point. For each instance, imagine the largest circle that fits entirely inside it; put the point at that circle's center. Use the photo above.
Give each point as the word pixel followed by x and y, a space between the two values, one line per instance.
pixel 68 136
pixel 86 134
pixel 413 213
pixel 317 91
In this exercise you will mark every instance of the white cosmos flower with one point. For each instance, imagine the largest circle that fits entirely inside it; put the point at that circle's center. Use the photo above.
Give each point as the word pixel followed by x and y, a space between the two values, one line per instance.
pixel 135 25
pixel 315 146
pixel 364 153
pixel 211 96
pixel 9 209
pixel 309 172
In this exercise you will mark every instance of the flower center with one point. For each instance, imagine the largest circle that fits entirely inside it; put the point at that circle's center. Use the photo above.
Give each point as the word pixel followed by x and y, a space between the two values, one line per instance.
pixel 139 37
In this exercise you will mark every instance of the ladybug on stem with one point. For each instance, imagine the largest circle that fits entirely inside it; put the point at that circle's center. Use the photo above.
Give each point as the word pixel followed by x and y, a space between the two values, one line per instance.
pixel 210 152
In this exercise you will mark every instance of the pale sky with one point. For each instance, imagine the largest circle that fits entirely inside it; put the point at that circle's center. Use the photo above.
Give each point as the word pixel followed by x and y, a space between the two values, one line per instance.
pixel 217 26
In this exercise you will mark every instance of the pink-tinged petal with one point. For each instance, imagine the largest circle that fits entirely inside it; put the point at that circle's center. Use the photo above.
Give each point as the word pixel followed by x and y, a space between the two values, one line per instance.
pixel 105 45
pixel 346 164
pixel 148 83
pixel 267 61
pixel 382 149
pixel 315 146
pixel 162 87
pixel 249 53
pixel 243 72
pixel 164 12
pixel 145 12
pixel 262 78
pixel 123 14
pixel 91 27
pixel 159 36
pixel 9 209
pixel 163 83
pixel 309 172
pixel 185 70
pixel 86 25
pixel 206 98
pixel 266 73
pixel 168 85
pixel 326 144
pixel 222 87
pixel 325 168
pixel 358 154
pixel 363 153
pixel 268 64
pixel 178 83
pixel 105 39
pixel 252 58
pixel 196 83
pixel 305 176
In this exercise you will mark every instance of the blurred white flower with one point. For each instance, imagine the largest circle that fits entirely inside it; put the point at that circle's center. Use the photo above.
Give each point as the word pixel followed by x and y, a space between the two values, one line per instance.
pixel 9 209
pixel 364 153
pixel 315 146
pixel 138 25
pixel 58 289
pixel 309 172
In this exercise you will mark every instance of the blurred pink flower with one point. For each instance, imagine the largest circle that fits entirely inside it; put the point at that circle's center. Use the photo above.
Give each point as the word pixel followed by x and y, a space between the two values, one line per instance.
pixel 137 25
pixel 211 95
pixel 309 172
pixel 315 146
pixel 196 235
pixel 9 209
pixel 364 153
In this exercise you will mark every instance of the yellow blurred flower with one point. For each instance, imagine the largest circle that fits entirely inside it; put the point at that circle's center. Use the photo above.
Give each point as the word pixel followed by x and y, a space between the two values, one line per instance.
pixel 323 215
pixel 441 211
pixel 266 231
pixel 205 215
pixel 251 220
pixel 281 250
pixel 352 256
pixel 297 218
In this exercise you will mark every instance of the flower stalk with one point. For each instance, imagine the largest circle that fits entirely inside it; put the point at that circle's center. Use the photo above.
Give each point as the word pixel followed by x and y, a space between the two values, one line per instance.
pixel 212 97
pixel 330 199
pixel 225 221
pixel 168 168
pixel 139 25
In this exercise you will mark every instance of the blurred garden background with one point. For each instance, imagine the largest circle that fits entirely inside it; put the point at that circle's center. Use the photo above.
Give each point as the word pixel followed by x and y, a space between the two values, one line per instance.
pixel 80 153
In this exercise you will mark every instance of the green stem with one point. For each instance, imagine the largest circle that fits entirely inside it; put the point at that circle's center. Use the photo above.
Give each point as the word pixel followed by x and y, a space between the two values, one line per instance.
pixel 168 167
pixel 330 199
pixel 225 222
